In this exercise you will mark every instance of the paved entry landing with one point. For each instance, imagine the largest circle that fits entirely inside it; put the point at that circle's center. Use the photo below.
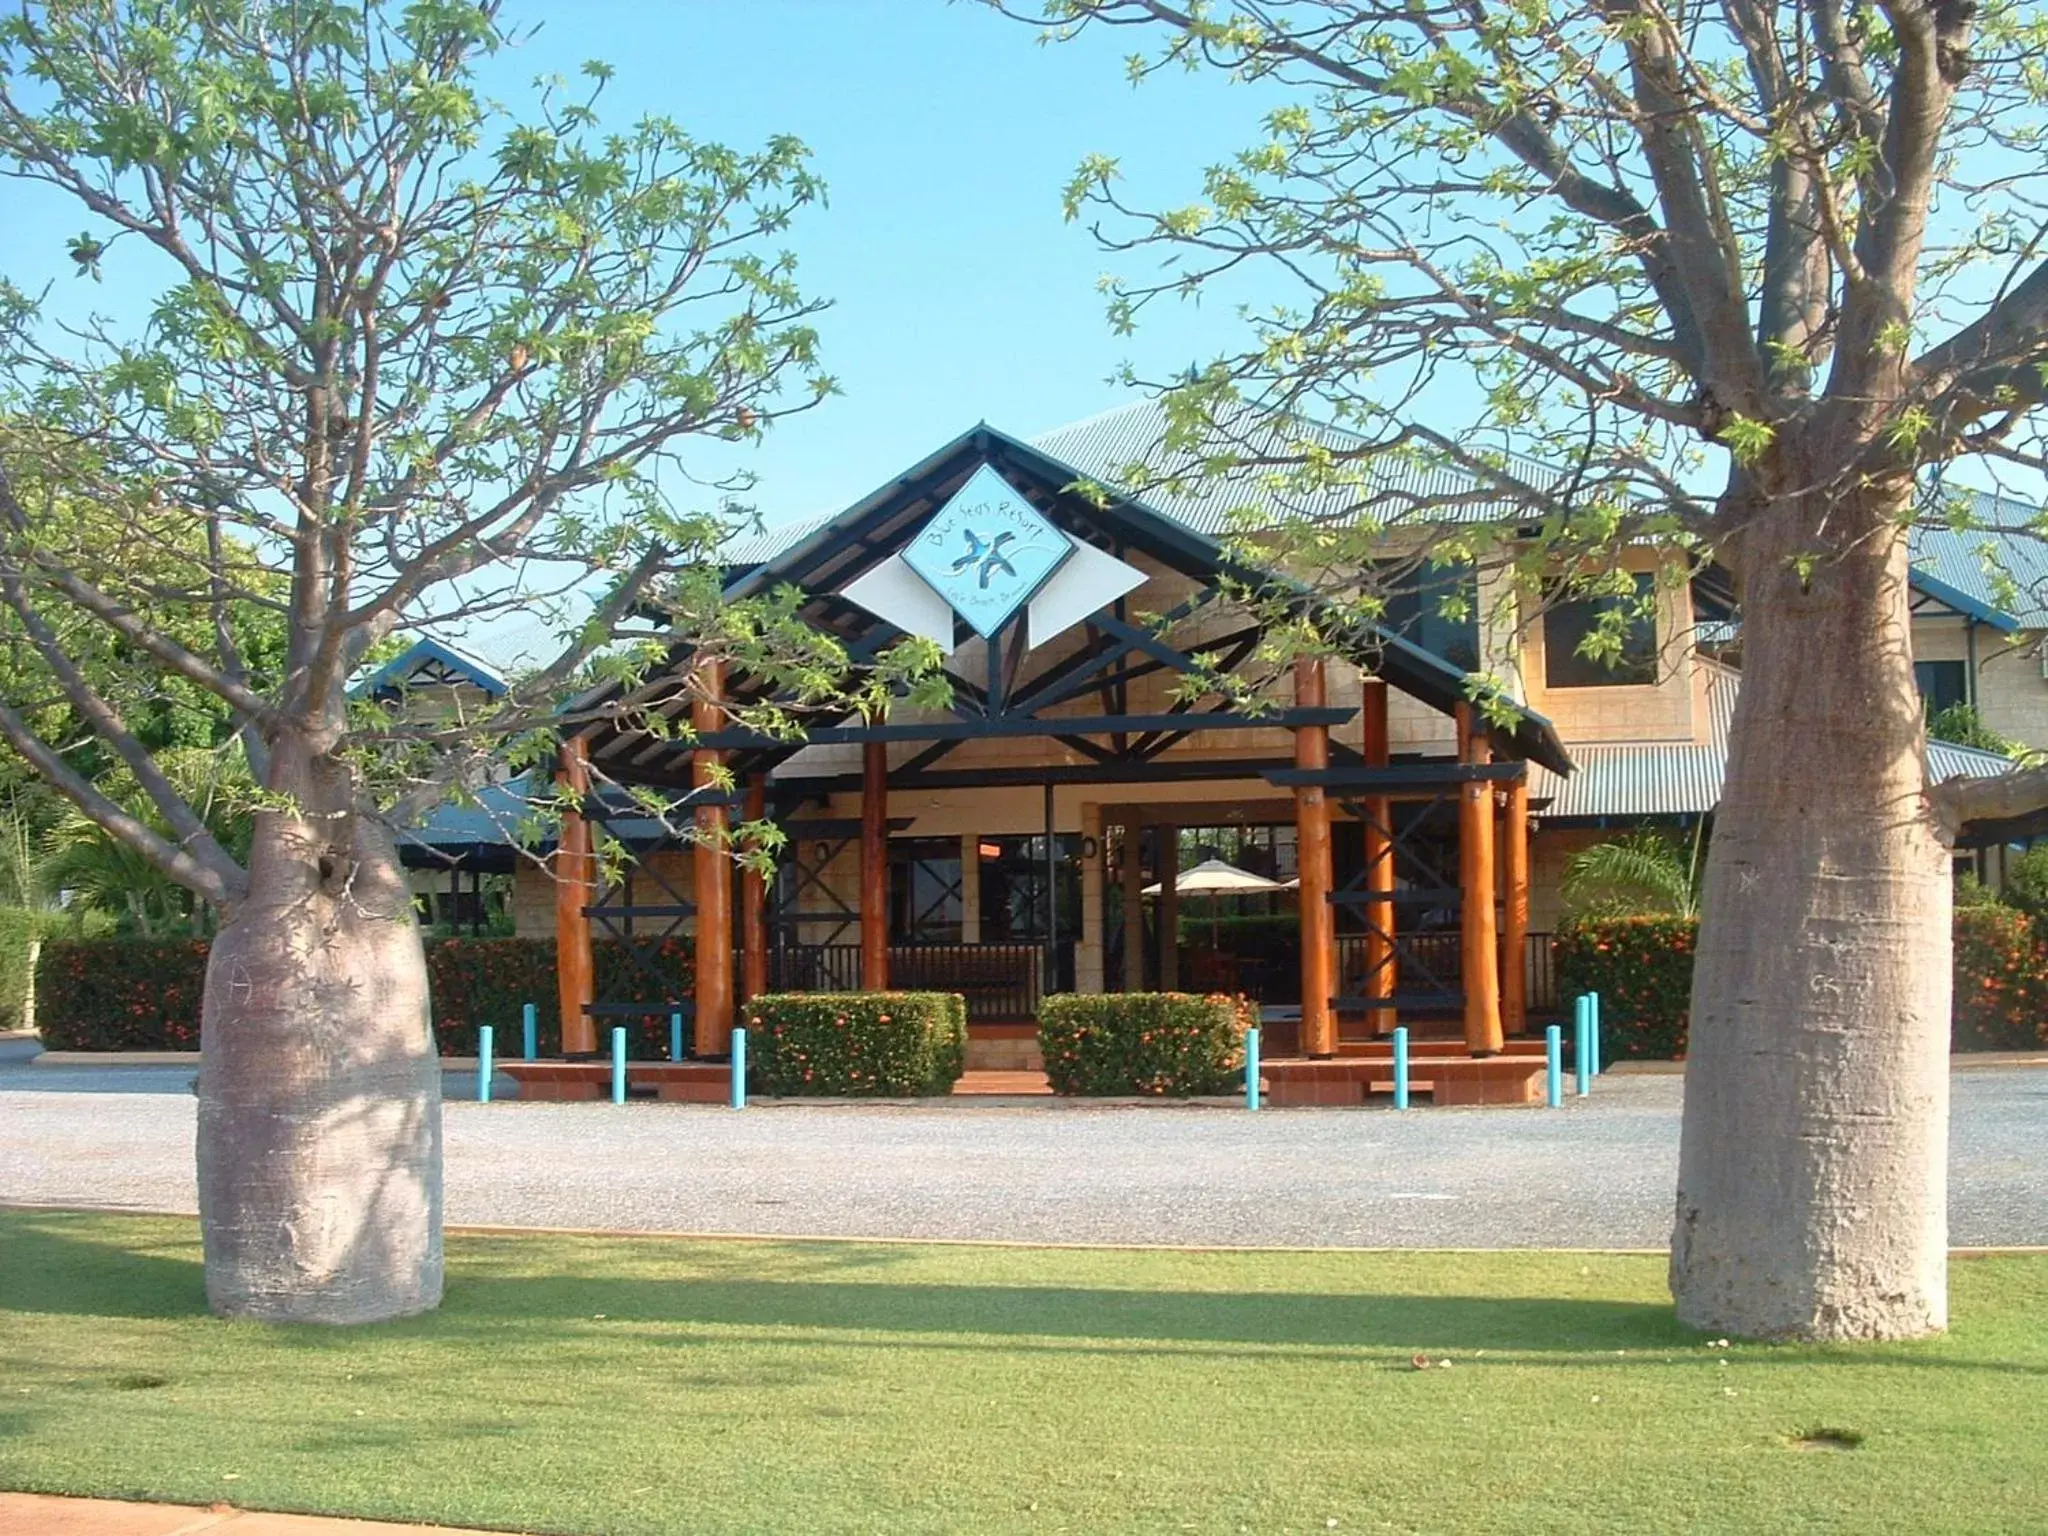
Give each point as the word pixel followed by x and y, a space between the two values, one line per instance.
pixel 1006 1084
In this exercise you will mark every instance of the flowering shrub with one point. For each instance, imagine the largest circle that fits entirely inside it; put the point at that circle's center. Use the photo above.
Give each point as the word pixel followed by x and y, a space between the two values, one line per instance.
pixel 125 994
pixel 1171 1043
pixel 2001 981
pixel 1642 969
pixel 851 1044
pixel 120 994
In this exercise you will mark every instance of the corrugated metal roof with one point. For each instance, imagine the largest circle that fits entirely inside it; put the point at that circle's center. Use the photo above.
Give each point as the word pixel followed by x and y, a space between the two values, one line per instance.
pixel 1684 778
pixel 1106 446
pixel 1979 560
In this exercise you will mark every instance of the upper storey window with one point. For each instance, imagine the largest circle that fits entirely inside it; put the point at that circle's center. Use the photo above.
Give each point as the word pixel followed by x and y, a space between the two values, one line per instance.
pixel 1569 626
pixel 1415 610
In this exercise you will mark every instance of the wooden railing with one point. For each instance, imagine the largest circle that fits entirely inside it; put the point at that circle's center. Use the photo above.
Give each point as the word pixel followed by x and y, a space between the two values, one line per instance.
pixel 1441 953
pixel 1001 982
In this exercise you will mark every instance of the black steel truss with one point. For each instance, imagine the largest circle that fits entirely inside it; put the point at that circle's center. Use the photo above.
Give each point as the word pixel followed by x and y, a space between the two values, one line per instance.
pixel 1430 885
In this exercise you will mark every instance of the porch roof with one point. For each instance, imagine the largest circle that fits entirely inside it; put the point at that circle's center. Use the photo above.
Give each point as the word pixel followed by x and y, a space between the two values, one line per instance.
pixel 824 559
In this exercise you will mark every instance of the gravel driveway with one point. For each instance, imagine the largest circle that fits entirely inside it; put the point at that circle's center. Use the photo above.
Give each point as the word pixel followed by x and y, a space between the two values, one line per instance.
pixel 1597 1174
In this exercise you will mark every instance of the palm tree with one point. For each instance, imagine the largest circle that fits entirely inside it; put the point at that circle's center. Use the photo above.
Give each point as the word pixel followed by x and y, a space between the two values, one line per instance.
pixel 1644 874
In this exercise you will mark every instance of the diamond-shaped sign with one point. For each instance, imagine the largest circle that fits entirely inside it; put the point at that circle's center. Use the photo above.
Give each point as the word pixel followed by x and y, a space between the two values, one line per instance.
pixel 986 551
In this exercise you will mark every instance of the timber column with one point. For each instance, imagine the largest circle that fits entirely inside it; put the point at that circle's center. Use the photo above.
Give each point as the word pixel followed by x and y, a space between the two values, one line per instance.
pixel 874 867
pixel 575 889
pixel 1380 931
pixel 1314 865
pixel 1132 867
pixel 1480 950
pixel 713 869
pixel 1514 927
pixel 754 904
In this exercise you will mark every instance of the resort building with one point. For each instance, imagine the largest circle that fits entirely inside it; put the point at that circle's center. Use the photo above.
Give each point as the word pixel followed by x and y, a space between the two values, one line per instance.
pixel 1048 832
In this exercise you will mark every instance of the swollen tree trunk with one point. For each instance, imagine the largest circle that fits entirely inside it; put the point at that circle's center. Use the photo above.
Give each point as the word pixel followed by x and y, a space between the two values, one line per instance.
pixel 1812 1187
pixel 320 1087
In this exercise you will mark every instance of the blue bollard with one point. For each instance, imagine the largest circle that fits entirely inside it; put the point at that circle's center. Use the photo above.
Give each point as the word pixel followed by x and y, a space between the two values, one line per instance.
pixel 1593 1030
pixel 618 1064
pixel 1251 1069
pixel 1401 1067
pixel 1553 1066
pixel 1582 1045
pixel 675 1037
pixel 532 1028
pixel 739 1069
pixel 486 1048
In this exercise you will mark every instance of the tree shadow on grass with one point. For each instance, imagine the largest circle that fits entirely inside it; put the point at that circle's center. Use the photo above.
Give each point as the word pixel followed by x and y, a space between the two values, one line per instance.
pixel 524 1296
pixel 61 1262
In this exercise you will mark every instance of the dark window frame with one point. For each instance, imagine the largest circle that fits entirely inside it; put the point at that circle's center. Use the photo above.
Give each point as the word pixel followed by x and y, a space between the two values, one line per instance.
pixel 1566 623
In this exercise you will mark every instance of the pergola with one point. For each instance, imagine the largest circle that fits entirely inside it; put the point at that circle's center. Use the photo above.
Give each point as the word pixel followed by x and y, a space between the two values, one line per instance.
pixel 1093 699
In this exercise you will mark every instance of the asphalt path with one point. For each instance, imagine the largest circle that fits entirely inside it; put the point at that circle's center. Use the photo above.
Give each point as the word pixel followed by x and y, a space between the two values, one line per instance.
pixel 1599 1173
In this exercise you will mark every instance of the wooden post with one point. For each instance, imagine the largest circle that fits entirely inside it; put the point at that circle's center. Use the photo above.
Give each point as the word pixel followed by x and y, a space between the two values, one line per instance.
pixel 575 889
pixel 1514 928
pixel 1134 903
pixel 1167 853
pixel 1481 946
pixel 713 870
pixel 874 867
pixel 1314 865
pixel 754 904
pixel 1380 962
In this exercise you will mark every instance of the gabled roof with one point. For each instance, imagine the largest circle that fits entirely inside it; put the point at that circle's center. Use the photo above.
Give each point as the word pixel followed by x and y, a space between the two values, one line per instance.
pixel 825 556
pixel 429 663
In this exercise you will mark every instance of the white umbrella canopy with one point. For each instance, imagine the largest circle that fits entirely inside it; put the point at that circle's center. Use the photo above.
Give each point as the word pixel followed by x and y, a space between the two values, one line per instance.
pixel 1213 877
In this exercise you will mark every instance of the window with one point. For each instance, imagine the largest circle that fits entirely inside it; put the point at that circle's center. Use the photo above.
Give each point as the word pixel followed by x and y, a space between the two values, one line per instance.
pixel 1941 684
pixel 1567 625
pixel 1013 888
pixel 1415 612
pixel 924 890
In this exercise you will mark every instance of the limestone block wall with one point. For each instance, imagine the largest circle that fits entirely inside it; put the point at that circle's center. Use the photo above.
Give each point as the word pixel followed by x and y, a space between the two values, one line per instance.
pixel 2012 696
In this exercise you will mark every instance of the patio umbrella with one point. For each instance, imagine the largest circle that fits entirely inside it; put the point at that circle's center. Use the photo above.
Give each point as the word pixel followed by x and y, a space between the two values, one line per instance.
pixel 1213 877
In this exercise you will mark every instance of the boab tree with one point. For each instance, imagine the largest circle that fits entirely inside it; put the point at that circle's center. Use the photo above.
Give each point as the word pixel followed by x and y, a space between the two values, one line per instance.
pixel 409 361
pixel 1740 275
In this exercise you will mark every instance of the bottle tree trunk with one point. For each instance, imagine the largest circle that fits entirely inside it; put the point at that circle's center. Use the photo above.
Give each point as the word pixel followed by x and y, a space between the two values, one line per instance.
pixel 320 1088
pixel 1812 1191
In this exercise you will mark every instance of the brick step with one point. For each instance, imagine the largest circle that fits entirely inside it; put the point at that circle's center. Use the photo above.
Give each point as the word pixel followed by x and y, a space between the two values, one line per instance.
pixel 1447 1079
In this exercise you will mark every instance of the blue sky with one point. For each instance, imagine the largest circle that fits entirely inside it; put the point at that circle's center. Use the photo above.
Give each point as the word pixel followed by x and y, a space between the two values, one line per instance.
pixel 945 134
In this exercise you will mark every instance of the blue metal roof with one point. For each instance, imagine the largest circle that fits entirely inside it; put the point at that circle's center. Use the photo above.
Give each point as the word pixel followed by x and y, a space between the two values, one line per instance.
pixel 2001 543
pixel 400 672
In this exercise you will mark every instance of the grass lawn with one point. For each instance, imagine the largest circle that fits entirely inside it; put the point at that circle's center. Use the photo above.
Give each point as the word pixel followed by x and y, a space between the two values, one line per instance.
pixel 595 1385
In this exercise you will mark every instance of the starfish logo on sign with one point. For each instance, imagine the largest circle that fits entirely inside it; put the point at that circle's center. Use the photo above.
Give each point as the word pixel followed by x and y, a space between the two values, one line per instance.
pixel 986 551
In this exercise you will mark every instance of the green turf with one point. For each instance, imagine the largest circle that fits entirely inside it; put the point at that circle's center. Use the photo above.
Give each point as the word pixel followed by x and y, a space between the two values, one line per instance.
pixel 619 1386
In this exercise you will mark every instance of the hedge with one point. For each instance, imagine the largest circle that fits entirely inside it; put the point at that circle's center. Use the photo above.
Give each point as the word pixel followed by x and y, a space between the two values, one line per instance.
pixel 1171 1043
pixel 129 994
pixel 856 1044
pixel 1642 969
pixel 2001 989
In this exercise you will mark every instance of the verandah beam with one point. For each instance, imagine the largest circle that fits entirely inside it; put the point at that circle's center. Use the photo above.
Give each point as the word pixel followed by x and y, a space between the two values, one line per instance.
pixel 1072 725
